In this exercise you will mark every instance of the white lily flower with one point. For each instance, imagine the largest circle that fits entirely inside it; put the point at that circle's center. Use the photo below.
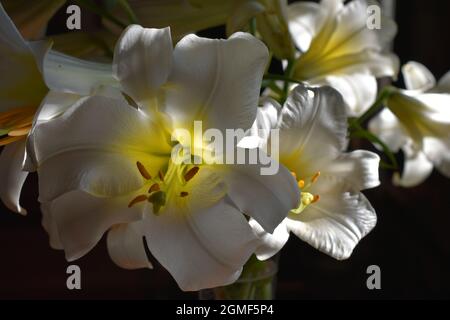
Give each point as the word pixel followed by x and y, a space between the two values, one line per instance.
pixel 113 170
pixel 333 215
pixel 186 16
pixel 339 50
pixel 22 89
pixel 417 121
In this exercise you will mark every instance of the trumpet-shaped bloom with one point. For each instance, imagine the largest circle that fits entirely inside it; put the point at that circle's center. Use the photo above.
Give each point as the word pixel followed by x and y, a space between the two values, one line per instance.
pixel 340 50
pixel 185 16
pixel 333 214
pixel 22 89
pixel 417 121
pixel 114 170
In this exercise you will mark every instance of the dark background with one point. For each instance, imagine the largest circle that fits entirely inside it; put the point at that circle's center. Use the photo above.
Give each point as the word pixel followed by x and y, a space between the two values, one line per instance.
pixel 411 242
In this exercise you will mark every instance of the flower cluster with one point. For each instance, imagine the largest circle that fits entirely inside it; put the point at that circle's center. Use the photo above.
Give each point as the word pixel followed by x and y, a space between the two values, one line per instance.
pixel 105 137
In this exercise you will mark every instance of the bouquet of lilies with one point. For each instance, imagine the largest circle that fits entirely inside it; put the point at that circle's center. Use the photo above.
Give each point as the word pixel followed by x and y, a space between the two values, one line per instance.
pixel 192 149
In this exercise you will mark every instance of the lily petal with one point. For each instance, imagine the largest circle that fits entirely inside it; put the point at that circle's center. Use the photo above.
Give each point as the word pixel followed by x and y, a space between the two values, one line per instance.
pixel 49 225
pixel 13 177
pixel 305 20
pixel 82 219
pixel 142 61
pixel 108 152
pixel 126 246
pixel 271 244
pixel 53 105
pixel 313 127
pixel 266 198
pixel 417 168
pixel 417 76
pixel 438 152
pixel 444 84
pixel 213 82
pixel 335 224
pixel 64 73
pixel 356 170
pixel 23 87
pixel 266 119
pixel 201 249
pixel 359 90
pixel 387 127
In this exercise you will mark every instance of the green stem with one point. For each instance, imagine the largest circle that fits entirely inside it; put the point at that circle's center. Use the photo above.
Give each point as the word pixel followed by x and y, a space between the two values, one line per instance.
pixel 288 75
pixel 252 26
pixel 376 106
pixel 359 132
pixel 129 11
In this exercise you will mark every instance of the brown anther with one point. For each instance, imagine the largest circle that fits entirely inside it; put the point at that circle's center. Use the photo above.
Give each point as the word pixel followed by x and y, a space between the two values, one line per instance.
pixel 315 177
pixel 153 188
pixel 301 184
pixel 191 173
pixel 160 175
pixel 184 194
pixel 143 171
pixel 137 200
pixel 316 198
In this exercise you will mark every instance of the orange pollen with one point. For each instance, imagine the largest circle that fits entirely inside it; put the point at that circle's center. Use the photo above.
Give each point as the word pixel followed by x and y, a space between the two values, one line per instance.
pixel 8 139
pixel 315 177
pixel 143 171
pixel 301 184
pixel 137 200
pixel 16 124
pixel 191 173
pixel 316 198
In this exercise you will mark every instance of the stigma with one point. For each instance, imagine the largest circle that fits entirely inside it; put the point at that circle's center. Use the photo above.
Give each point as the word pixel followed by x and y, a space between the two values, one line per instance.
pixel 306 198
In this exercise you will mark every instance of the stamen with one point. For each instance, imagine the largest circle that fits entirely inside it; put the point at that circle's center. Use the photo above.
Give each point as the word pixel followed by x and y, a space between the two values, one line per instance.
pixel 154 187
pixel 143 171
pixel 294 175
pixel 19 132
pixel 137 200
pixel 316 198
pixel 315 177
pixel 8 139
pixel 301 184
pixel 191 173
pixel 160 175
pixel 184 194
